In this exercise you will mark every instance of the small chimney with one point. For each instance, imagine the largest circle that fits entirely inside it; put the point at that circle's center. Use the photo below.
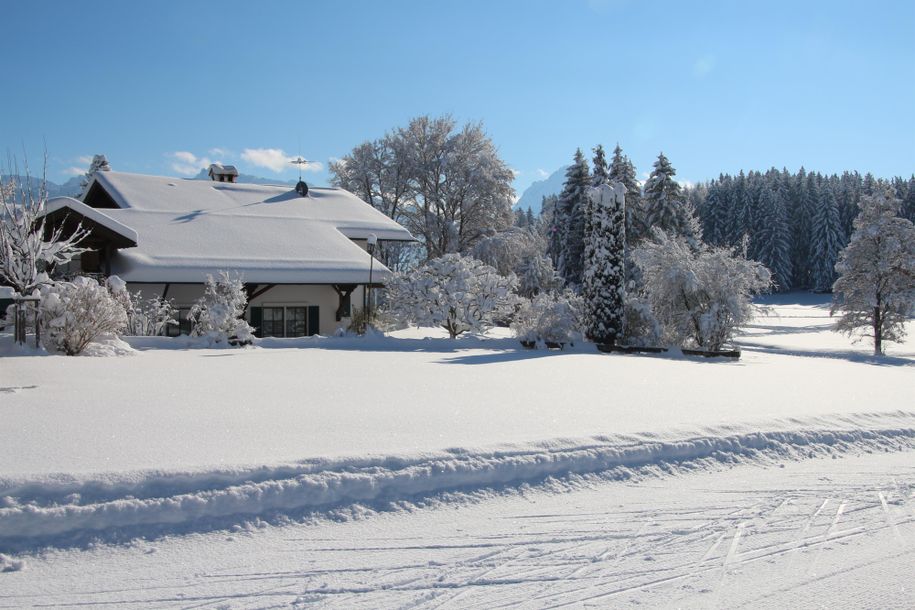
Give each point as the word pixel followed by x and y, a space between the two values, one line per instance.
pixel 222 173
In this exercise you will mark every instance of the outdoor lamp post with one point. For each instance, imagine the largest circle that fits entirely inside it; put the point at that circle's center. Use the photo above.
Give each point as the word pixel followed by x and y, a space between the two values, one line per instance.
pixel 370 246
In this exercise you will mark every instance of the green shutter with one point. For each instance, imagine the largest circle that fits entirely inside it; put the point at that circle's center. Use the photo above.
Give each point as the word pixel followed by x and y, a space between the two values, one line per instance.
pixel 257 320
pixel 313 325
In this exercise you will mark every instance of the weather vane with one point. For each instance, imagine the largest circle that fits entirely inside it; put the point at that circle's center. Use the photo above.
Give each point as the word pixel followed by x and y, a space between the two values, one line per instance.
pixel 301 188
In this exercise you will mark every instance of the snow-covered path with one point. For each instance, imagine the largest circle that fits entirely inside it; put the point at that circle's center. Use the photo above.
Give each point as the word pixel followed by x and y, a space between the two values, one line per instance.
pixel 821 532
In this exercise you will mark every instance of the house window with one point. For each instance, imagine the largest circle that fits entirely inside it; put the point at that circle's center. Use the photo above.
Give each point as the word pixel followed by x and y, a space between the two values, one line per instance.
pixel 183 327
pixel 272 322
pixel 295 322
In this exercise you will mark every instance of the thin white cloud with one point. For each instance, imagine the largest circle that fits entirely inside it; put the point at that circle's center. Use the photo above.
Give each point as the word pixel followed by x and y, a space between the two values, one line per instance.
pixel 187 163
pixel 74 171
pixel 542 173
pixel 276 160
pixel 703 66
pixel 219 152
pixel 84 159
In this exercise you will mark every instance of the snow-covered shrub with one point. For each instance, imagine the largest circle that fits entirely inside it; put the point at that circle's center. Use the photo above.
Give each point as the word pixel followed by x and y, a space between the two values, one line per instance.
pixel 145 318
pixel 640 327
pixel 876 288
pixel 699 295
pixel 536 274
pixel 550 317
pixel 458 293
pixel 217 315
pixel 74 314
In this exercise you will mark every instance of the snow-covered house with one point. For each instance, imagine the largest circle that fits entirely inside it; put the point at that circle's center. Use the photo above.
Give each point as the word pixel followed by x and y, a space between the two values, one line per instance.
pixel 302 258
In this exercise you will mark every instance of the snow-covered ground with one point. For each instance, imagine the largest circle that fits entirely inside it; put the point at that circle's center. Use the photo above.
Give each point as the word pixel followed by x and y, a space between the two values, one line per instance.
pixel 180 450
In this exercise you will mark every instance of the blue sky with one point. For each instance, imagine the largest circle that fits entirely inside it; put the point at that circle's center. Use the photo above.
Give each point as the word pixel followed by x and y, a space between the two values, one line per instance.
pixel 163 88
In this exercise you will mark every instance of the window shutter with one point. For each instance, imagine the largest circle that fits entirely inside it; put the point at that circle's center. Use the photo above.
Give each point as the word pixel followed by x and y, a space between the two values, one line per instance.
pixel 257 319
pixel 313 324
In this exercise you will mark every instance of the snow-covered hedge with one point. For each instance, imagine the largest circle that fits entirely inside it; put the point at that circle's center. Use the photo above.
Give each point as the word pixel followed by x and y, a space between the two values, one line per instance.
pixel 217 315
pixel 145 318
pixel 458 293
pixel 74 314
pixel 550 317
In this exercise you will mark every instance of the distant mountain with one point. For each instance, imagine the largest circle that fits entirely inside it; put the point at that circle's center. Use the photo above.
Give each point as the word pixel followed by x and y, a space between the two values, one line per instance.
pixel 533 195
pixel 70 188
pixel 248 179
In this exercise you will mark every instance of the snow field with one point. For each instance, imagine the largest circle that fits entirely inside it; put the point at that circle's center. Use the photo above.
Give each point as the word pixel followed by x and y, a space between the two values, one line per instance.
pixel 176 439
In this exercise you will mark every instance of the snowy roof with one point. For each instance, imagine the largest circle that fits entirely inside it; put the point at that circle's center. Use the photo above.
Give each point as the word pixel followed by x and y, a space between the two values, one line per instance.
pixel 268 234
pixel 59 203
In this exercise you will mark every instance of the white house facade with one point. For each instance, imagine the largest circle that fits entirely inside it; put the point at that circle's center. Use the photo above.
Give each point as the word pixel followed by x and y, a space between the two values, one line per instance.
pixel 301 253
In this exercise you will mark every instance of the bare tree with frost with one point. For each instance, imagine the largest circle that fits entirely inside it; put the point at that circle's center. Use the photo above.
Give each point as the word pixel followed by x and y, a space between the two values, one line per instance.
pixel 29 247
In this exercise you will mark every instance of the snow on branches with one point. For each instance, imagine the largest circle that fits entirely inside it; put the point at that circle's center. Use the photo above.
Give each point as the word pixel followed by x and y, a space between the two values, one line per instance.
pixel 876 288
pixel 549 317
pixel 456 292
pixel 74 314
pixel 28 246
pixel 699 295
pixel 217 315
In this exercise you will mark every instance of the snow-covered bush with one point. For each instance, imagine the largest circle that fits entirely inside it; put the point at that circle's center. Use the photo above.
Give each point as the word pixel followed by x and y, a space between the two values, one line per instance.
pixel 217 315
pixel 455 292
pixel 876 288
pixel 74 314
pixel 145 318
pixel 640 327
pixel 550 317
pixel 699 295
pixel 536 274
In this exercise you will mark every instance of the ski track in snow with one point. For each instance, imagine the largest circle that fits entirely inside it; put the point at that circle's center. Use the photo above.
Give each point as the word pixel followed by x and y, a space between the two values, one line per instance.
pixel 70 512
pixel 762 538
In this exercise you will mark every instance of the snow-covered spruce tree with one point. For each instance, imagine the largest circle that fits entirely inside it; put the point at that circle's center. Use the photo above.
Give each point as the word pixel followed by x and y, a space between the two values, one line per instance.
pixel 826 240
pixel 662 200
pixel 623 171
pixel 29 247
pixel 457 293
pixel 99 163
pixel 774 237
pixel 600 173
pixel 74 314
pixel 572 204
pixel 698 296
pixel 217 315
pixel 875 292
pixel 549 317
pixel 604 287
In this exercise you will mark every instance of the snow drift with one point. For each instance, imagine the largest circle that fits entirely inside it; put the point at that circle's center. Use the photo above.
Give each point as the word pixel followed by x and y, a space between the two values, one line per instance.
pixel 53 510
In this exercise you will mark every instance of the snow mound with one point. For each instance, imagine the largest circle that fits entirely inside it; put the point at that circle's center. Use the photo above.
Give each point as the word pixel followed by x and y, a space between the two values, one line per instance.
pixel 55 511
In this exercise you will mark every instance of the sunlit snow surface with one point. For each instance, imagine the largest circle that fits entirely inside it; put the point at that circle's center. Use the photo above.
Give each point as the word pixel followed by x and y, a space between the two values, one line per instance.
pixel 237 478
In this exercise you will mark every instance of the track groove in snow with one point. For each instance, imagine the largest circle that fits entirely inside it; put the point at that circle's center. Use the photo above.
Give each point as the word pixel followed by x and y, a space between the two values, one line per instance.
pixel 55 513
